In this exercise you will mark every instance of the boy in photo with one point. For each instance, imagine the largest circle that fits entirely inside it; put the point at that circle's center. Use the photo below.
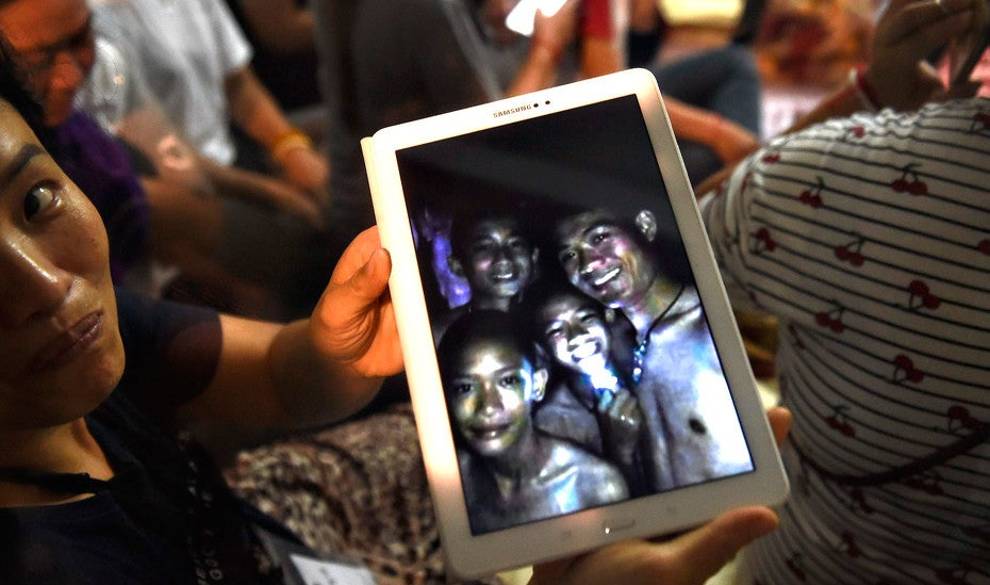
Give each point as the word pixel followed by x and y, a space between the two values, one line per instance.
pixel 512 473
pixel 593 403
pixel 494 254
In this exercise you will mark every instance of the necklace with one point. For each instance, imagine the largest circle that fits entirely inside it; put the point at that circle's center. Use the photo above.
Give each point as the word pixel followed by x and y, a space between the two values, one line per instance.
pixel 639 352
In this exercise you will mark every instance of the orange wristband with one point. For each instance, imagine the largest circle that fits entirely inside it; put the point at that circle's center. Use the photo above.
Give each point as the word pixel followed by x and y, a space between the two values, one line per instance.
pixel 291 140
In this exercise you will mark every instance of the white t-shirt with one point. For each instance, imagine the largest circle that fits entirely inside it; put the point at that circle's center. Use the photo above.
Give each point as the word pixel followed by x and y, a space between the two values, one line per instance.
pixel 183 50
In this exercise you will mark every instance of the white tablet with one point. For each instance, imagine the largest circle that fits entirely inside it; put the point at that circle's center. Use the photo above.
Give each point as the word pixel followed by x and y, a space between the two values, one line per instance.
pixel 576 373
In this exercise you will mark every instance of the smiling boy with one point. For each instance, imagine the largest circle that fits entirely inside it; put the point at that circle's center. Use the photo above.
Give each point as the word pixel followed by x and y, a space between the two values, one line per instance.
pixel 513 473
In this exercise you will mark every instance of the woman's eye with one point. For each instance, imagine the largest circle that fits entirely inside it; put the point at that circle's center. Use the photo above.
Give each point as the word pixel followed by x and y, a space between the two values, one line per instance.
pixel 566 256
pixel 510 380
pixel 41 197
pixel 554 332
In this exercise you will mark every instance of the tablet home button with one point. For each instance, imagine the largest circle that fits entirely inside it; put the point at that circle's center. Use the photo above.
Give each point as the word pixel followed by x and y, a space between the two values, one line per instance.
pixel 614 526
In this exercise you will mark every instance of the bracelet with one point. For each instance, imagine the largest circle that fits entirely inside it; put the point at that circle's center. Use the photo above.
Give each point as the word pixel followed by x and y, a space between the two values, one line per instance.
pixel 291 140
pixel 865 91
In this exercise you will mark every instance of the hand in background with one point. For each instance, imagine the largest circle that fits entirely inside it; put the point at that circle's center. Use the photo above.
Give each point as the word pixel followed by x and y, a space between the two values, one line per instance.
pixel 689 559
pixel 290 199
pixel 909 31
pixel 354 322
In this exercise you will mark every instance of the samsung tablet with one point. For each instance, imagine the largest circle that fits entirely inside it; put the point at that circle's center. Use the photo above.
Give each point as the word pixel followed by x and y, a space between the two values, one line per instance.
pixel 575 370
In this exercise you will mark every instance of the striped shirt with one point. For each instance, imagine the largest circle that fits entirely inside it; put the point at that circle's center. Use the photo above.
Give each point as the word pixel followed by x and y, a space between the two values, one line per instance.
pixel 870 238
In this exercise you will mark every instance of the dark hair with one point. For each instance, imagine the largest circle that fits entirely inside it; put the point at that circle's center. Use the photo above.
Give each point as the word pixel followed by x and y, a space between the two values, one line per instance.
pixel 494 325
pixel 14 90
pixel 464 225
pixel 553 287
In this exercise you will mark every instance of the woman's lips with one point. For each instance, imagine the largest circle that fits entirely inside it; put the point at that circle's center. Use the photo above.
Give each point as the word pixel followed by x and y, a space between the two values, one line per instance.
pixel 70 344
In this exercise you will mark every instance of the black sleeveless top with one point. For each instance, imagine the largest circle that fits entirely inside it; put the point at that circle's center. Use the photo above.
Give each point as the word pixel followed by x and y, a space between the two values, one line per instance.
pixel 166 517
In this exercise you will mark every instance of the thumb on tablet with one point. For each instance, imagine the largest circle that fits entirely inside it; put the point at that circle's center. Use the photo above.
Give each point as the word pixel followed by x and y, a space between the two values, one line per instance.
pixel 689 559
pixel 354 322
pixel 369 282
pixel 707 549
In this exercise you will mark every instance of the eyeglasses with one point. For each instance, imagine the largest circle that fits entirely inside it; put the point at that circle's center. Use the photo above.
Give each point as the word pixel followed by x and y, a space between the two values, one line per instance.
pixel 39 63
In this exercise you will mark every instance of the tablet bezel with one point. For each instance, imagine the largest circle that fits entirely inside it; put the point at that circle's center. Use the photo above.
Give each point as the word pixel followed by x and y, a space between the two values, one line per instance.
pixel 469 555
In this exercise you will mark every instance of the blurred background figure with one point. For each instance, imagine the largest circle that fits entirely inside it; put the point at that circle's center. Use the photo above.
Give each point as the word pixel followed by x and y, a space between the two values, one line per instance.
pixel 282 33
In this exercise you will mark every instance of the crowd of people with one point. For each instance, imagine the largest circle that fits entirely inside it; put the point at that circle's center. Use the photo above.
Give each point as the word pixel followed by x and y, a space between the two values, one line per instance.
pixel 157 199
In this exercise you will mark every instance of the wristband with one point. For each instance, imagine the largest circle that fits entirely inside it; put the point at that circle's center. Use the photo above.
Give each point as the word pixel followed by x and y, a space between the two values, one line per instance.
pixel 865 91
pixel 291 140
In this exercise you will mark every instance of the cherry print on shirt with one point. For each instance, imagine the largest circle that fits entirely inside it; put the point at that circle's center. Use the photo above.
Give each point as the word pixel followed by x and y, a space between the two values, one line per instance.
pixel 921 296
pixel 761 241
pixel 904 370
pixel 960 418
pixel 984 246
pixel 771 158
pixel 909 182
pixel 852 252
pixel 856 132
pixel 813 197
pixel 839 421
pixel 832 319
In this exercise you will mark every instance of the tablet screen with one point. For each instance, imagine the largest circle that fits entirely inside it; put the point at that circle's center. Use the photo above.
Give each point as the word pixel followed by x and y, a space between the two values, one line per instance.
pixel 576 357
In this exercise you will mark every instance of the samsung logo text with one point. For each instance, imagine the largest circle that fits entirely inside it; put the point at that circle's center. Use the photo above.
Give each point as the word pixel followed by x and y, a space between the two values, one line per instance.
pixel 512 111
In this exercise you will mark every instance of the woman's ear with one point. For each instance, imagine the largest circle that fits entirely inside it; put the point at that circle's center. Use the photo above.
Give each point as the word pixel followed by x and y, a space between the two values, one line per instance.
pixel 646 222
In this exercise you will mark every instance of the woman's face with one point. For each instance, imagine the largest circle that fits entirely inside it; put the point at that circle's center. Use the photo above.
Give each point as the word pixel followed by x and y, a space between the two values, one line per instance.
pixel 60 349
pixel 55 46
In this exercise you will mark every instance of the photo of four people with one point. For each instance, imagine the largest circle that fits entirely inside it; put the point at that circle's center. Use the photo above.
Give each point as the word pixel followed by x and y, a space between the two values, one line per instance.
pixel 576 359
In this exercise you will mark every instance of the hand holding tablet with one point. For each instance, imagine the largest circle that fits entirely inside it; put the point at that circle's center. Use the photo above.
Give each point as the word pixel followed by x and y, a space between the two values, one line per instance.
pixel 576 373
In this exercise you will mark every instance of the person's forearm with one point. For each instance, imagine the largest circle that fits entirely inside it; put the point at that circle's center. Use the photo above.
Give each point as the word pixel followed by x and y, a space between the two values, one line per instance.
pixel 599 56
pixel 643 16
pixel 254 109
pixel 311 389
pixel 238 183
pixel 691 123
pixel 538 72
